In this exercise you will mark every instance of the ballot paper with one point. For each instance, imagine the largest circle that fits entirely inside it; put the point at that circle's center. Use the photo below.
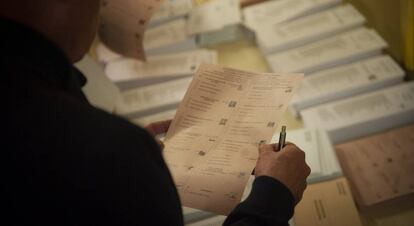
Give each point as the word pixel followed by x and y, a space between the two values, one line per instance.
pixel 364 114
pixel 320 154
pixel 278 37
pixel 168 38
pixel 123 23
pixel 211 145
pixel 153 98
pixel 380 167
pixel 327 204
pixel 230 33
pixel 341 49
pixel 169 10
pixel 273 12
pixel 346 81
pixel 214 15
pixel 129 73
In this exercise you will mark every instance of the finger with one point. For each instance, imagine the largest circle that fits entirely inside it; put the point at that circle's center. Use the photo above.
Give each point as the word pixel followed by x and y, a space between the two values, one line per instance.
pixel 266 147
pixel 158 127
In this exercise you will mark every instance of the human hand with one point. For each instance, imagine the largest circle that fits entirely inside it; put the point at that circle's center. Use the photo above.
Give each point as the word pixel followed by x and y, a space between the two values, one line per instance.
pixel 157 128
pixel 287 166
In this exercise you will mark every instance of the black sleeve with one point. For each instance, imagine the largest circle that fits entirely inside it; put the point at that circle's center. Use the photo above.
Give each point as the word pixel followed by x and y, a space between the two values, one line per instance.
pixel 269 203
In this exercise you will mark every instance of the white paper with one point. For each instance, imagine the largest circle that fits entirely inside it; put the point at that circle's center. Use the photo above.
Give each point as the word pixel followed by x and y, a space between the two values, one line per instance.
pixel 152 97
pixel 168 37
pixel 214 15
pixel 106 55
pixel 346 81
pixel 273 12
pixel 171 9
pixel 99 90
pixel 134 73
pixel 363 114
pixel 344 48
pixel 278 37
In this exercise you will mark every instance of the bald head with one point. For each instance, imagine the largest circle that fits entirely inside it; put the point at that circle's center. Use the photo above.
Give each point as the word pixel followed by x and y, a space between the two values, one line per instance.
pixel 71 24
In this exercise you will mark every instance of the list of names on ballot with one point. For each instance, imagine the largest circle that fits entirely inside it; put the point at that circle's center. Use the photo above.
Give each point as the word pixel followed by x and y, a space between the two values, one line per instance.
pixel 212 144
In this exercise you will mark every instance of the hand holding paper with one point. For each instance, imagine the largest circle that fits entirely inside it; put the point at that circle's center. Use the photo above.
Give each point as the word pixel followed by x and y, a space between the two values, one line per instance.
pixel 211 146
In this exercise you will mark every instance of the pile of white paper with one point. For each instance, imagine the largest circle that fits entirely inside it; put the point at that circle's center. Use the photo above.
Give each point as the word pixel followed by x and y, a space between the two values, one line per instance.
pixel 216 22
pixel 346 81
pixel 168 38
pixel 129 73
pixel 153 98
pixel 282 36
pixel 364 114
pixel 320 154
pixel 170 10
pixel 344 48
pixel 273 12
pixel 213 16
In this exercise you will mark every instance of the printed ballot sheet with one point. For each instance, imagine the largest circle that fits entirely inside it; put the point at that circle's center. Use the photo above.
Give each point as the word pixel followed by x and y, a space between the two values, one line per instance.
pixel 211 146
pixel 380 167
pixel 122 25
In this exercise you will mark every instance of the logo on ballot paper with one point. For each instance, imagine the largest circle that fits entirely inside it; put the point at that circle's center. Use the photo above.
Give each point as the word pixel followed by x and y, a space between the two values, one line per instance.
pixel 223 121
pixel 232 104
pixel 271 124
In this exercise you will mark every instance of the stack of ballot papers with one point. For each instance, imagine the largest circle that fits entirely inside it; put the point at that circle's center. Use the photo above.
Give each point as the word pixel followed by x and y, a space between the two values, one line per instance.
pixel 380 167
pixel 106 55
pixel 273 12
pixel 168 38
pixel 328 203
pixel 340 49
pixel 129 73
pixel 216 22
pixel 282 36
pixel 170 10
pixel 363 114
pixel 147 100
pixel 320 154
pixel 346 81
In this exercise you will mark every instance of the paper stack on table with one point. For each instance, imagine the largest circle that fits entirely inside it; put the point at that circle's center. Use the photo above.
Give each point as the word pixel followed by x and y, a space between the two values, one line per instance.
pixel 171 10
pixel 340 49
pixel 364 114
pixel 320 154
pixel 273 12
pixel 129 73
pixel 216 22
pixel 168 38
pixel 282 36
pixel 346 81
pixel 152 98
pixel 380 167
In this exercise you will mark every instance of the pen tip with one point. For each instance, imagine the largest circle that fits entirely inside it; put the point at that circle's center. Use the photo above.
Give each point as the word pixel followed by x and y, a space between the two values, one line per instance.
pixel 283 128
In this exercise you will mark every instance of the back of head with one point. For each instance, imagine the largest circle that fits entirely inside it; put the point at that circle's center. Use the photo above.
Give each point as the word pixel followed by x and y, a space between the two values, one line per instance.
pixel 71 24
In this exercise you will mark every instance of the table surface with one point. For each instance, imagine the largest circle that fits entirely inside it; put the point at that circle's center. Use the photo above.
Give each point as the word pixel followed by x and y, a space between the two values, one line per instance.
pixel 245 55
